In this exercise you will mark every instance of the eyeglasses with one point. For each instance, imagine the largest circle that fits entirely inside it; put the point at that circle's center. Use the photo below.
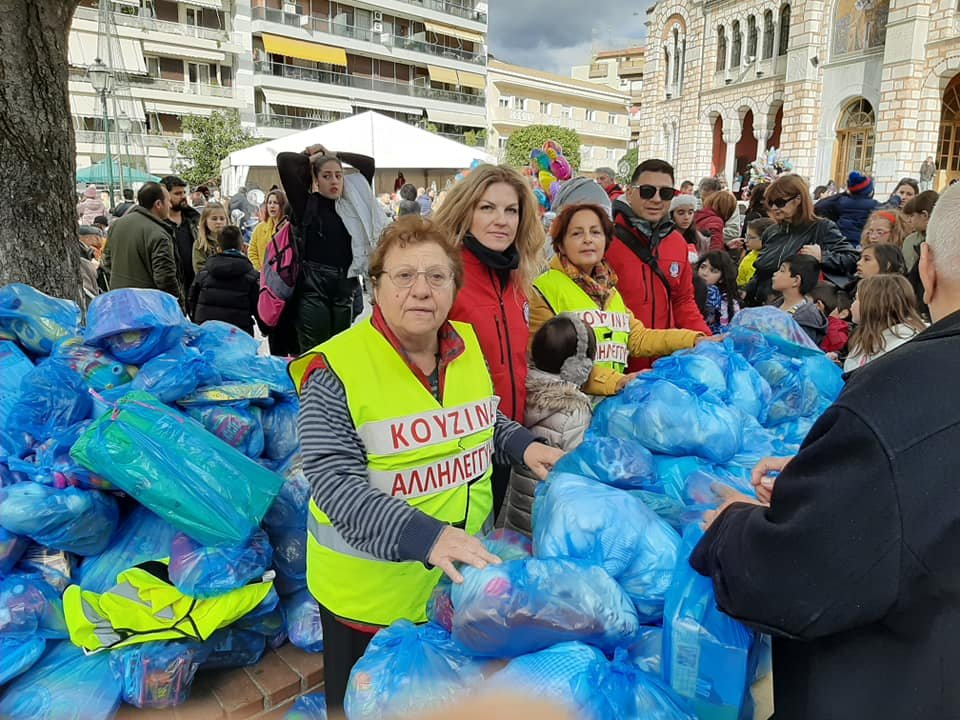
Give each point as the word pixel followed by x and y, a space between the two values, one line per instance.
pixel 648 191
pixel 781 203
pixel 404 277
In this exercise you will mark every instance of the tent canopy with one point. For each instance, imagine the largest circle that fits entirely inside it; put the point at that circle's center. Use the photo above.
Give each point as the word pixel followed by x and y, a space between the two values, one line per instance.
pixel 393 144
pixel 99 174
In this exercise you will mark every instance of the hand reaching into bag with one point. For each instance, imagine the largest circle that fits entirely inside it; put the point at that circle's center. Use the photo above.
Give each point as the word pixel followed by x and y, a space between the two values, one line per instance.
pixel 454 545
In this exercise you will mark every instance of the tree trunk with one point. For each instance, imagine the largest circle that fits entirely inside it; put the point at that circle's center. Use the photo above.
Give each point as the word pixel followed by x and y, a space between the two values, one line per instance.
pixel 38 218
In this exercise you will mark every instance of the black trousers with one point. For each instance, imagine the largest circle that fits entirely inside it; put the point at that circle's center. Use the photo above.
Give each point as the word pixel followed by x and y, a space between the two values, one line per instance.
pixel 342 647
pixel 499 480
pixel 324 303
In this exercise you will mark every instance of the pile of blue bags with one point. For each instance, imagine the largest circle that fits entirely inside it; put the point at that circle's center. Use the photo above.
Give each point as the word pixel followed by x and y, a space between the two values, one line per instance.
pixel 602 613
pixel 133 437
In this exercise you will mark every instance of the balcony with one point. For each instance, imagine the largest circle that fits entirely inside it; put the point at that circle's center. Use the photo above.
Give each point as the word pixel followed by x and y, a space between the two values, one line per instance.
pixel 450 8
pixel 138 21
pixel 181 86
pixel 293 122
pixel 586 127
pixel 98 137
pixel 324 26
pixel 757 70
pixel 598 70
pixel 359 82
pixel 630 67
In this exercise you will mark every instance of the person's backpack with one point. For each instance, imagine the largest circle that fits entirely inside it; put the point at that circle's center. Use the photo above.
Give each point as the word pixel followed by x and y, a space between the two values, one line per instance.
pixel 278 276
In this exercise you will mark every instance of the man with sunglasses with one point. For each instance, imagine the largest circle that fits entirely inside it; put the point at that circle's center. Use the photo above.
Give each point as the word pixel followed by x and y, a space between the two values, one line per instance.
pixel 650 255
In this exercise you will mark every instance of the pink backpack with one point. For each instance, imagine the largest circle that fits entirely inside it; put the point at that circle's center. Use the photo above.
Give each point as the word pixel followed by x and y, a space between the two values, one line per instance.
pixel 278 276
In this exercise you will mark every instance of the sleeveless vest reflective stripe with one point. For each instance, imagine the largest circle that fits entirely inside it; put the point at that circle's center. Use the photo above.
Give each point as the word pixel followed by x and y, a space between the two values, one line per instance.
pixel 145 606
pixel 611 325
pixel 436 456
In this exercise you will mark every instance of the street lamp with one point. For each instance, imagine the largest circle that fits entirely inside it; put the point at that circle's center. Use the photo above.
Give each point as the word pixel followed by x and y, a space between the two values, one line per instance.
pixel 124 124
pixel 101 77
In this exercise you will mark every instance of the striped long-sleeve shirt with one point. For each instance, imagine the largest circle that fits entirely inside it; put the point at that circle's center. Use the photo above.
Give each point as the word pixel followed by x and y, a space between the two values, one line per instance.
pixel 335 463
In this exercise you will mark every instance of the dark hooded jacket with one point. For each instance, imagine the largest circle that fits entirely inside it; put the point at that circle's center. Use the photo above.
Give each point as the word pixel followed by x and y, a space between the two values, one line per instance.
pixel 849 211
pixel 226 289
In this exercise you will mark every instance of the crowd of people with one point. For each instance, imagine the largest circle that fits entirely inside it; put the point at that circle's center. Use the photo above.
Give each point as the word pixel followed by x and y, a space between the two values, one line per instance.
pixel 426 422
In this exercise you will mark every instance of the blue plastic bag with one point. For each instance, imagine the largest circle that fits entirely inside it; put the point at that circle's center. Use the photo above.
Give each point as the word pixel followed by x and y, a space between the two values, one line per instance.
pixel 303 621
pixel 142 536
pixel 745 388
pixel 156 674
pixel 227 343
pixel 706 654
pixel 635 693
pixel 56 567
pixel 280 430
pixel 408 668
pixel 52 397
pixel 647 651
pixel 238 426
pixel 29 607
pixel 779 327
pixel 175 373
pixel 526 605
pixel 64 685
pixel 134 325
pixel 611 461
pixel 170 464
pixel 12 547
pixel 19 655
pixel 578 518
pixel 35 320
pixel 793 393
pixel 232 648
pixel 270 370
pixel 286 524
pixel 49 462
pixel 206 572
pixel 308 707
pixel 78 521
pixel 98 370
pixel 14 366
pixel 267 619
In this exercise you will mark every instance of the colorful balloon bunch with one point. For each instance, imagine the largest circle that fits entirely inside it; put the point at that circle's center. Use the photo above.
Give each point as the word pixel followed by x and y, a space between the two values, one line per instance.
pixel 463 173
pixel 548 168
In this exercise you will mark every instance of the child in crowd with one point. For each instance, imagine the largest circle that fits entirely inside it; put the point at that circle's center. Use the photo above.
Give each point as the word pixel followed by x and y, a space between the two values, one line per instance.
pixel 754 243
pixel 682 210
pixel 794 280
pixel 557 411
pixel 881 259
pixel 916 213
pixel 835 305
pixel 213 220
pixel 719 274
pixel 886 315
pixel 227 286
pixel 884 226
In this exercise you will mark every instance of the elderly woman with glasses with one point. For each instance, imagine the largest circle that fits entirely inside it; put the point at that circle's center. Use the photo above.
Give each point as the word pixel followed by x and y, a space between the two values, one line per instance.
pixel 798 231
pixel 399 428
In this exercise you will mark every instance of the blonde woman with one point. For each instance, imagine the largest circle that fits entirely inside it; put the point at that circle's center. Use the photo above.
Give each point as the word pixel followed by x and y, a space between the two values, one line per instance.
pixel 262 233
pixel 213 220
pixel 492 215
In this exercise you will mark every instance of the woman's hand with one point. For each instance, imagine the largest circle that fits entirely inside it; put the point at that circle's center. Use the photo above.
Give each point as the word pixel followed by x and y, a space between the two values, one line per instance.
pixel 708 338
pixel 736 244
pixel 762 479
pixel 728 497
pixel 317 149
pixel 541 458
pixel 454 545
pixel 813 251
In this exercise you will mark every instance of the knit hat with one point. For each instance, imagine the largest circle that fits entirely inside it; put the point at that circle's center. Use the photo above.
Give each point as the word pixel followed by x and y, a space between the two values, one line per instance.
pixel 859 184
pixel 90 191
pixel 683 201
pixel 580 190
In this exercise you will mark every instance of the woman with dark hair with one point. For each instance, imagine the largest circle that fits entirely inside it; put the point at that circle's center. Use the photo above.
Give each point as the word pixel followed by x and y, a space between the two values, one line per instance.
pixel 717 210
pixel 581 282
pixel 337 223
pixel 905 191
pixel 798 230
pixel 881 259
pixel 756 207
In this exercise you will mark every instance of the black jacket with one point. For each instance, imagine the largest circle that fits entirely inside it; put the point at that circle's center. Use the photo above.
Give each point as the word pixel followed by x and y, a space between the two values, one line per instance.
pixel 226 289
pixel 854 566
pixel 849 211
pixel 780 242
pixel 183 243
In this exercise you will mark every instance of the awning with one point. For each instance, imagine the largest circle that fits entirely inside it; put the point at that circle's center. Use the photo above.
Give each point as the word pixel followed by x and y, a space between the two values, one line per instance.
pixel 304 50
pixel 302 100
pixel 169 108
pixel 446 117
pixel 365 105
pixel 442 75
pixel 191 53
pixel 90 106
pixel 124 54
pixel 81 49
pixel 471 80
pixel 468 35
pixel 211 4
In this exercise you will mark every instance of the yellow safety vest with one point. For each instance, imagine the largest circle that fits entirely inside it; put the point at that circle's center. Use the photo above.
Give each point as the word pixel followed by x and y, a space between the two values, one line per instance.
pixel 434 455
pixel 145 606
pixel 611 324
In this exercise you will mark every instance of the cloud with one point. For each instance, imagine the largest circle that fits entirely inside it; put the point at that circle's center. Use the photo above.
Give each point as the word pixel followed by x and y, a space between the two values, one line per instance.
pixel 555 35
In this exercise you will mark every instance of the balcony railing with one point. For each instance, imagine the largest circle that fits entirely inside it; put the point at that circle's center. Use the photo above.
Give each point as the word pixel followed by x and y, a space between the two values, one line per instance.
pixel 323 25
pixel 293 122
pixel 329 77
pixel 181 86
pixel 98 137
pixel 585 126
pixel 138 21
pixel 631 67
pixel 598 70
pixel 451 8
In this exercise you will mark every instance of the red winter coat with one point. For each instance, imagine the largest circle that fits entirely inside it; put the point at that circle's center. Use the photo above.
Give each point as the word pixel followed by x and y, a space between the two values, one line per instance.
pixel 500 319
pixel 711 225
pixel 644 293
pixel 614 192
pixel 838 333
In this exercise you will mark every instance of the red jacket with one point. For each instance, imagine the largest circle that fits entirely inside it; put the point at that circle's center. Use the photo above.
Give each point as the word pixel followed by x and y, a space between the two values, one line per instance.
pixel 614 192
pixel 644 293
pixel 500 319
pixel 710 224
pixel 838 333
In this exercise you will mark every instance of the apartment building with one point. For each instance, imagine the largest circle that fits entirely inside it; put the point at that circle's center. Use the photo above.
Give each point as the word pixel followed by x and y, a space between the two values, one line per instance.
pixel 519 96
pixel 622 70
pixel 284 65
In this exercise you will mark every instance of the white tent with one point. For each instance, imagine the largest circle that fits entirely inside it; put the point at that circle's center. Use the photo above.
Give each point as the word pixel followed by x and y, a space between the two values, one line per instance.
pixel 394 145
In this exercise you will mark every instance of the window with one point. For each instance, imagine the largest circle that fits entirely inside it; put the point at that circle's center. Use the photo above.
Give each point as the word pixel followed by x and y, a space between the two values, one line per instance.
pixel 612 154
pixel 736 40
pixel 751 39
pixel 768 35
pixel 721 49
pixel 544 107
pixel 612 118
pixel 153 66
pixel 592 115
pixel 566 112
pixel 677 60
pixel 502 142
pixel 506 102
pixel 784 30
pixel 856 137
pixel 191 17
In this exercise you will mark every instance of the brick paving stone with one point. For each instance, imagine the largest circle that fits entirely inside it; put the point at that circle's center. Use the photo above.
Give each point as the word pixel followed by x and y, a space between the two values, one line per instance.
pixel 308 665
pixel 275 678
pixel 239 696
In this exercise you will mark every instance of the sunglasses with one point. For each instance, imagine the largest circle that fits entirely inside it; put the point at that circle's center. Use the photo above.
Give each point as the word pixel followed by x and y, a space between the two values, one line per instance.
pixel 781 203
pixel 648 191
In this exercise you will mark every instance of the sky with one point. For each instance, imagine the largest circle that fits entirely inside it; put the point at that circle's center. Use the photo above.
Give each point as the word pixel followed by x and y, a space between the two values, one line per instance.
pixel 557 34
